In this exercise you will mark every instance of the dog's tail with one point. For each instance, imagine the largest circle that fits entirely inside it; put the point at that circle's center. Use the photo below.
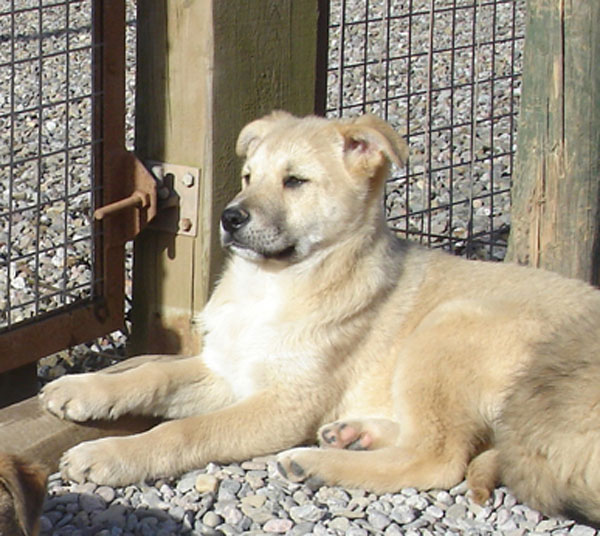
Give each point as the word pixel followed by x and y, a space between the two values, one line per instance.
pixel 548 440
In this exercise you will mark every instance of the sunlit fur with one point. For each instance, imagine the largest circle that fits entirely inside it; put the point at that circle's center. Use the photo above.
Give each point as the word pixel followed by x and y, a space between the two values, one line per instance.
pixel 405 364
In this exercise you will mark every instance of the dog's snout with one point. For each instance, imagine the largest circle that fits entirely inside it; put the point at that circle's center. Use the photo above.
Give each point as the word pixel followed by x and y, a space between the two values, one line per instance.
pixel 234 218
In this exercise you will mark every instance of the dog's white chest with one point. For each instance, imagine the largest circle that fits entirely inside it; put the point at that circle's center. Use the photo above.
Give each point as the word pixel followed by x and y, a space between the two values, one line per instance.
pixel 245 343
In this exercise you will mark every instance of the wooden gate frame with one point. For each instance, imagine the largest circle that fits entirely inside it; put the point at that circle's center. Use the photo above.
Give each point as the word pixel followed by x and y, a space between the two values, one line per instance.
pixel 118 175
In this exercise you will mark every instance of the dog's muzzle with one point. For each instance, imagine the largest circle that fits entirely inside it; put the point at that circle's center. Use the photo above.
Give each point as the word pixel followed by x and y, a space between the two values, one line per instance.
pixel 266 243
pixel 234 218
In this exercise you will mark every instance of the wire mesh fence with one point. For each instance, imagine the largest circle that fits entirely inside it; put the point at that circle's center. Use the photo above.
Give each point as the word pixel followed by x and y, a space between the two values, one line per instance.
pixel 444 72
pixel 447 74
pixel 46 157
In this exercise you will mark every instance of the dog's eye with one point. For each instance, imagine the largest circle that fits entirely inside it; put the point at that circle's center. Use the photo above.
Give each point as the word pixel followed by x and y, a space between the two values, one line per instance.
pixel 293 182
pixel 246 179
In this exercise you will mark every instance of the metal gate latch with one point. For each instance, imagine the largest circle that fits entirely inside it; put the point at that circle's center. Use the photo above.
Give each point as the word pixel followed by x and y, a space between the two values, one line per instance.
pixel 137 199
pixel 129 215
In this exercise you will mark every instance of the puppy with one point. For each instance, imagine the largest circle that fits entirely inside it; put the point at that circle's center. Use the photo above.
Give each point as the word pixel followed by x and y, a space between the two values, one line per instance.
pixel 405 364
pixel 22 491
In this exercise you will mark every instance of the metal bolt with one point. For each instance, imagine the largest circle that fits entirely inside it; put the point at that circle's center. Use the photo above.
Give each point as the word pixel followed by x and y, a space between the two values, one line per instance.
pixel 188 180
pixel 164 193
pixel 186 225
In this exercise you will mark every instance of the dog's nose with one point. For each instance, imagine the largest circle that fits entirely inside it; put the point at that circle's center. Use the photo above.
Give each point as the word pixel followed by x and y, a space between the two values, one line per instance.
pixel 234 218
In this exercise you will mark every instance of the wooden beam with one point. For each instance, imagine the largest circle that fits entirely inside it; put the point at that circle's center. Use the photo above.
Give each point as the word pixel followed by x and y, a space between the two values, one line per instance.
pixel 29 431
pixel 556 186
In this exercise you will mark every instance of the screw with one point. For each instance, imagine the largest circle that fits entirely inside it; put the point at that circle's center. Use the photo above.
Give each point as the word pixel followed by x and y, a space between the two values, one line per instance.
pixel 186 225
pixel 188 180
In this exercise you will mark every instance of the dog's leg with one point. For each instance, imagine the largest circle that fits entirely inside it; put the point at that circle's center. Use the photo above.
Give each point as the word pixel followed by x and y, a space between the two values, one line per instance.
pixel 483 475
pixel 163 386
pixel 383 470
pixel 360 434
pixel 261 424
pixel 439 422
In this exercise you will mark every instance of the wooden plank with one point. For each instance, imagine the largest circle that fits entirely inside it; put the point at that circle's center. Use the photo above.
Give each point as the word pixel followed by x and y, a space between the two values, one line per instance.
pixel 29 431
pixel 204 69
pixel 556 191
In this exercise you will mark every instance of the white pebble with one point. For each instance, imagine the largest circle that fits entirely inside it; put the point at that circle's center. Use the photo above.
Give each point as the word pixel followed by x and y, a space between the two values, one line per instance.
pixel 403 514
pixel 211 519
pixel 378 520
pixel 417 501
pixel 339 523
pixel 204 483
pixel 108 494
pixel 307 512
pixel 582 530
pixel 435 511
pixel 278 526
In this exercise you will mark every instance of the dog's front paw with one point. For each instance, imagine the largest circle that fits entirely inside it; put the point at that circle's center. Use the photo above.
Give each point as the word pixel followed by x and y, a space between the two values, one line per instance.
pixel 299 465
pixel 106 461
pixel 76 398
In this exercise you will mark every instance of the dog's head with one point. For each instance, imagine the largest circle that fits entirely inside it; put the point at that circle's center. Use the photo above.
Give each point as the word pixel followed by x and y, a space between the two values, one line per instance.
pixel 22 491
pixel 307 183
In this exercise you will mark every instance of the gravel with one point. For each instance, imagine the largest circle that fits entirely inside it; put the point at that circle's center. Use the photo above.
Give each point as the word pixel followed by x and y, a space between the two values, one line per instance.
pixel 250 497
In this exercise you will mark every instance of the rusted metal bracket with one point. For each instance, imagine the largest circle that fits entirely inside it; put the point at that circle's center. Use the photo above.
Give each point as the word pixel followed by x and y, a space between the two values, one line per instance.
pixel 132 213
pixel 178 188
pixel 166 198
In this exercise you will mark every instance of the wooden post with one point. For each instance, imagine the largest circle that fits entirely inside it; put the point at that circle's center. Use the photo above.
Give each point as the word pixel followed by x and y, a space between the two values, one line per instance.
pixel 204 69
pixel 556 187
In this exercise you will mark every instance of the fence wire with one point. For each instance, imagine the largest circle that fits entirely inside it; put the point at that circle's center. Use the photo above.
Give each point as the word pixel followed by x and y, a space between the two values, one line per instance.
pixel 46 157
pixel 447 74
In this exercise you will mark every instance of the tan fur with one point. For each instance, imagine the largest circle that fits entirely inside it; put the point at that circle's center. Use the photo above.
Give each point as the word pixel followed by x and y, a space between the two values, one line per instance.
pixel 406 363
pixel 22 491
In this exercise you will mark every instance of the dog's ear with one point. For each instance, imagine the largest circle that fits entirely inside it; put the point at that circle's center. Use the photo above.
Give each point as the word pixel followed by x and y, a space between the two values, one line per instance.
pixel 368 139
pixel 22 492
pixel 254 132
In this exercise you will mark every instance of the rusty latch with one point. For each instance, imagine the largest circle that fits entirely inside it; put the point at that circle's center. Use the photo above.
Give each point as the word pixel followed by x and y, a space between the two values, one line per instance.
pixel 129 215
pixel 137 199
pixel 168 195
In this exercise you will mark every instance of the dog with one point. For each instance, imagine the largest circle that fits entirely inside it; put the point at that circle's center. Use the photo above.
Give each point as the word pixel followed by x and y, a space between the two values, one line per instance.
pixel 22 492
pixel 410 366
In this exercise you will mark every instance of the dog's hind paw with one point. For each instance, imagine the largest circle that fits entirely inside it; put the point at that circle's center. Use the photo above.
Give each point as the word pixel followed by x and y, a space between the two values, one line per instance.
pixel 359 434
pixel 294 465
pixel 344 435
